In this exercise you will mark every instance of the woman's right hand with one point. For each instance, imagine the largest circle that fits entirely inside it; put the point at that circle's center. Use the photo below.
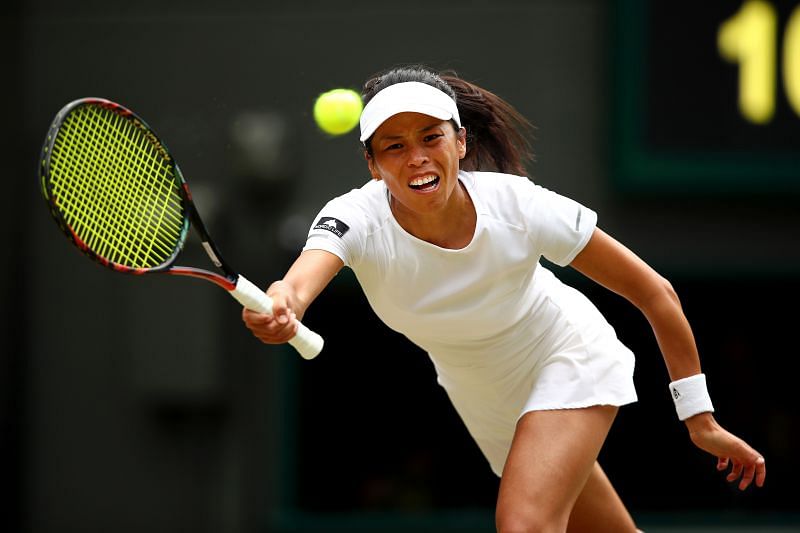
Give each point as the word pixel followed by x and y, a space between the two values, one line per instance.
pixel 279 327
pixel 292 295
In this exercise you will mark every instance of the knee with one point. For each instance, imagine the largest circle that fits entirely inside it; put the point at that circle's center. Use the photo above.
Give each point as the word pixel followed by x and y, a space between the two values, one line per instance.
pixel 528 520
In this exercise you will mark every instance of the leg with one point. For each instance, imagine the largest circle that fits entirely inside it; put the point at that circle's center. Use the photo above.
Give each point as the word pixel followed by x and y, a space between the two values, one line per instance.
pixel 552 456
pixel 599 509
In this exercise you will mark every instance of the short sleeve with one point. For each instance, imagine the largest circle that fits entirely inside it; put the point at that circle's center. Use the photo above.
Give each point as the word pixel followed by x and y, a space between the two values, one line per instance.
pixel 337 229
pixel 561 226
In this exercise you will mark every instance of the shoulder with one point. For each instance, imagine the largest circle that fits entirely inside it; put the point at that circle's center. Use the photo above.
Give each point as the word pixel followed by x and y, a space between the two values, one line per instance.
pixel 509 190
pixel 345 223
pixel 516 200
pixel 368 196
pixel 362 209
pixel 496 185
pixel 502 196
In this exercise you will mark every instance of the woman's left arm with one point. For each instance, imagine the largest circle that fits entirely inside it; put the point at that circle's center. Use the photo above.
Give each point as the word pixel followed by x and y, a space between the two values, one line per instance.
pixel 612 265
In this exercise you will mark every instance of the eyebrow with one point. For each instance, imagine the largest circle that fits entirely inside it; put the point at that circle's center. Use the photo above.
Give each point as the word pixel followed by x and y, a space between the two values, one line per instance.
pixel 421 130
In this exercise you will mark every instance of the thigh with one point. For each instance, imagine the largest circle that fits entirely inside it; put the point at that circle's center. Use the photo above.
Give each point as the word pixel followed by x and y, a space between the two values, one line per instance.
pixel 599 508
pixel 551 458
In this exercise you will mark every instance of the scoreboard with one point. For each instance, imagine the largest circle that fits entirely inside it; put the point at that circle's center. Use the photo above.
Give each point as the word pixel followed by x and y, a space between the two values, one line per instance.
pixel 707 96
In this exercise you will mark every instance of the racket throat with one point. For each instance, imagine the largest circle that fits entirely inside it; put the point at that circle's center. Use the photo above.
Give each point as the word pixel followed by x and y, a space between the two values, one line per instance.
pixel 249 295
pixel 212 254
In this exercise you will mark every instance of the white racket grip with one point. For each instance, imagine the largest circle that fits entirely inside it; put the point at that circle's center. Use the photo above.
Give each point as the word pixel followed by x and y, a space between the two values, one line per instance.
pixel 306 342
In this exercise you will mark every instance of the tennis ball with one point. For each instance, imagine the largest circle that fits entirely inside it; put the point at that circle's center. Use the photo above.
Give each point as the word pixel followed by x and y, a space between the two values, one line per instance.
pixel 338 111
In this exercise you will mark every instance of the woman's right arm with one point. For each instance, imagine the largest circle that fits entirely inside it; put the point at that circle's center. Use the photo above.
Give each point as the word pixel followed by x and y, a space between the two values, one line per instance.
pixel 292 295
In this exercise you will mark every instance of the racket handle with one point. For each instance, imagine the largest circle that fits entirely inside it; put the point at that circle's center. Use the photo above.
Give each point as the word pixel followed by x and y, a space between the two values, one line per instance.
pixel 306 342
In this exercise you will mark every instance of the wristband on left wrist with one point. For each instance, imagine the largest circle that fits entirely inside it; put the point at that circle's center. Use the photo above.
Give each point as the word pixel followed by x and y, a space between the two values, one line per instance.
pixel 691 396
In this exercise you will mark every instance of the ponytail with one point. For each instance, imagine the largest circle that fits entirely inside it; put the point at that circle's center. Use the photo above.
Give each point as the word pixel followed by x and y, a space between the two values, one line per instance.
pixel 497 134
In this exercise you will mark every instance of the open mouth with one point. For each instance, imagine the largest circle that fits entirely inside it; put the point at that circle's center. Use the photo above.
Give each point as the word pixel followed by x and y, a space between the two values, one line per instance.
pixel 424 183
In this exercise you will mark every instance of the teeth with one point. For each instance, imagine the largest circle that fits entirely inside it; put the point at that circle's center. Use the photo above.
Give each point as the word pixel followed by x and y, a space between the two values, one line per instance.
pixel 419 182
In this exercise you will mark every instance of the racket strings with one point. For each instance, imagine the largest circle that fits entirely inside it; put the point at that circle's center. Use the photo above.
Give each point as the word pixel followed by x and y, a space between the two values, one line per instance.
pixel 115 188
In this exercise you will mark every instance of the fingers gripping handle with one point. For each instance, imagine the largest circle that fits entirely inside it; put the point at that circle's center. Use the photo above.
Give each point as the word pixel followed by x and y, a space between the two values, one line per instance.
pixel 251 296
pixel 306 342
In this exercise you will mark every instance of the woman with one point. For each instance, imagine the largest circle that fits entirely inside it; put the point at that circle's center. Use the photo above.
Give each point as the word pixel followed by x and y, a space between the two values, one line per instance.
pixel 445 241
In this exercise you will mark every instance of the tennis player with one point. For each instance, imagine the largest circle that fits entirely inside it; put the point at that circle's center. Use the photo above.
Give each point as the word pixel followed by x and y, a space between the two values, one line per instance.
pixel 445 241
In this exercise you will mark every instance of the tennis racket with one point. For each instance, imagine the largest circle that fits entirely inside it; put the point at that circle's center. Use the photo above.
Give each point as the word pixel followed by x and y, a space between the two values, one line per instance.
pixel 118 195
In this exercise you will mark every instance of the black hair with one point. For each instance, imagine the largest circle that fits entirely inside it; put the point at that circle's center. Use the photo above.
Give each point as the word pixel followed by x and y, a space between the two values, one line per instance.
pixel 497 134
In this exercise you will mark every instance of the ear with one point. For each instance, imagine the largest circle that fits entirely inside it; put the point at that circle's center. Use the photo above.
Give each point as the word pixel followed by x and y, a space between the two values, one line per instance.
pixel 461 141
pixel 371 165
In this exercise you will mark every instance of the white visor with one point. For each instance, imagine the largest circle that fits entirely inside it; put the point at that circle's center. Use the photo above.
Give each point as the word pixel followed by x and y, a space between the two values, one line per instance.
pixel 406 97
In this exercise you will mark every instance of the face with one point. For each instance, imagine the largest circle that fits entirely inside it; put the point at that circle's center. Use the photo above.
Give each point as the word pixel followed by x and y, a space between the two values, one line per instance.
pixel 417 157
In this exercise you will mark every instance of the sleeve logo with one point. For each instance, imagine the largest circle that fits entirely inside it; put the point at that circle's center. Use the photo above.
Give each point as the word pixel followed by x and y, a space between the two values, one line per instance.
pixel 334 225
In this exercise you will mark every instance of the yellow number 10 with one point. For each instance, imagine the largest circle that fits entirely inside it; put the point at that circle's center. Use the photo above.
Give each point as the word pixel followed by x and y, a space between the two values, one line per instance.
pixel 748 38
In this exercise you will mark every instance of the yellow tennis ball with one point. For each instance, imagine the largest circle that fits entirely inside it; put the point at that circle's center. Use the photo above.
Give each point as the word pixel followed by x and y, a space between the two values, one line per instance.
pixel 338 111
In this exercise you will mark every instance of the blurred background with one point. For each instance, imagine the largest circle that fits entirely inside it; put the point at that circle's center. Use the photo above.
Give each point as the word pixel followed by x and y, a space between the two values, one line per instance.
pixel 132 404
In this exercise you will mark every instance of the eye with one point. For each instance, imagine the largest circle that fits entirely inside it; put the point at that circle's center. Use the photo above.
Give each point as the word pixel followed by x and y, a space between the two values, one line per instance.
pixel 395 146
pixel 431 137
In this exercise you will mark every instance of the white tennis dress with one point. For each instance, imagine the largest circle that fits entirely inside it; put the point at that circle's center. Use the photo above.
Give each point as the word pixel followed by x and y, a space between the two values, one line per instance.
pixel 504 334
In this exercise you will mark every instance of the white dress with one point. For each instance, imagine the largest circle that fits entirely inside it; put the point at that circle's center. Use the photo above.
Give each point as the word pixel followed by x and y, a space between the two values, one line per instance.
pixel 504 334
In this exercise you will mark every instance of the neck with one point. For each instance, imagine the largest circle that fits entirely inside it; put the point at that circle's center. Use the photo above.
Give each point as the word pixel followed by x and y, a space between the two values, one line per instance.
pixel 452 227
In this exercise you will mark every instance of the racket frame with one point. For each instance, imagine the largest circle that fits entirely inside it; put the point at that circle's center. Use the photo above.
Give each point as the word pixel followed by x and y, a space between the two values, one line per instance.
pixel 305 341
pixel 227 280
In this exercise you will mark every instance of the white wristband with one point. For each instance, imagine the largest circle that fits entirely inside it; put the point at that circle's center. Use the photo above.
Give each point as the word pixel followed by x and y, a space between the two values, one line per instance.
pixel 691 396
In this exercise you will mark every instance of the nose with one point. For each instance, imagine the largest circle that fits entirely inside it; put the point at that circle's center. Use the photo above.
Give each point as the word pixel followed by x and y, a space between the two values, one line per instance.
pixel 417 156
